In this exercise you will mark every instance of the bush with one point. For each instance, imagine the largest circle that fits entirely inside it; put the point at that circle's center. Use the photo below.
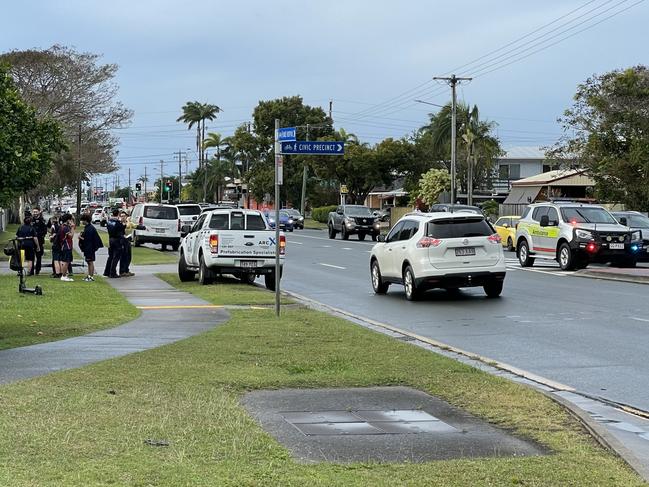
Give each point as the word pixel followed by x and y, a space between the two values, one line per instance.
pixel 321 214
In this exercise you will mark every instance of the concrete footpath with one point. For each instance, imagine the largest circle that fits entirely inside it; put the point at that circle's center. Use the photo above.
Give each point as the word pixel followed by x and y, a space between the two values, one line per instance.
pixel 638 275
pixel 167 315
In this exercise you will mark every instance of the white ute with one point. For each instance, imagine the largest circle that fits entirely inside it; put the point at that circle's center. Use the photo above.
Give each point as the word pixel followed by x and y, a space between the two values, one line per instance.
pixel 230 241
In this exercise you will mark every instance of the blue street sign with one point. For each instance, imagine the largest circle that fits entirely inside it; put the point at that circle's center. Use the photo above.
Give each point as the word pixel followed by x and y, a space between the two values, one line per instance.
pixel 286 134
pixel 314 148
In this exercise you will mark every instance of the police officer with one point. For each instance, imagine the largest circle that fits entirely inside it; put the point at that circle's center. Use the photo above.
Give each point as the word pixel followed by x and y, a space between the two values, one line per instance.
pixel 116 231
pixel 40 227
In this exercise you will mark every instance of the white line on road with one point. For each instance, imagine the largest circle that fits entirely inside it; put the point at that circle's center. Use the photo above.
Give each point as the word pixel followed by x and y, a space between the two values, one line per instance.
pixel 334 266
pixel 640 319
pixel 347 248
pixel 296 243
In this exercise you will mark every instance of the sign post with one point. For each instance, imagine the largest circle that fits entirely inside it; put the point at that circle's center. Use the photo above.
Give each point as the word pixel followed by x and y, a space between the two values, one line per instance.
pixel 279 178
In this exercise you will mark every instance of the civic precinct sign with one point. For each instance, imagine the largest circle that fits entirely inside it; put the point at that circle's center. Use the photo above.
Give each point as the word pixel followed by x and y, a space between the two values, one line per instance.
pixel 313 148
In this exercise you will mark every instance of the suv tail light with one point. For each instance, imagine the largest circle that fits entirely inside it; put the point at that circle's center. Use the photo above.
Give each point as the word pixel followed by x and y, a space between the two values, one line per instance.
pixel 426 242
pixel 282 245
pixel 214 244
pixel 495 238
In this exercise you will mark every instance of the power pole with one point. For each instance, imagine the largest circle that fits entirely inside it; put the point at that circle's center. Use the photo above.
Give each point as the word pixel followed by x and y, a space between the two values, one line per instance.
pixel 145 181
pixel 331 106
pixel 180 176
pixel 453 81
pixel 129 187
pixel 161 178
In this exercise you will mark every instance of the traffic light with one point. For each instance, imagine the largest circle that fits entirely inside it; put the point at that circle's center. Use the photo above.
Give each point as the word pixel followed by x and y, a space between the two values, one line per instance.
pixel 138 187
pixel 169 185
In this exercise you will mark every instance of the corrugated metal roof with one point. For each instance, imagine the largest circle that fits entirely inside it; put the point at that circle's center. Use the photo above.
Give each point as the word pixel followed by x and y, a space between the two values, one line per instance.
pixel 524 152
pixel 559 177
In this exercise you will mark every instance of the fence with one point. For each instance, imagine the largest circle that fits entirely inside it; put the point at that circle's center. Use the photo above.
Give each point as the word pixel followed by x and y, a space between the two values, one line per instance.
pixel 511 209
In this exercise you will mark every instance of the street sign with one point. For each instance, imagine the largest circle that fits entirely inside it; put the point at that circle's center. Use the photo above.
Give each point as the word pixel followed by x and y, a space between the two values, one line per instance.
pixel 286 134
pixel 343 189
pixel 314 148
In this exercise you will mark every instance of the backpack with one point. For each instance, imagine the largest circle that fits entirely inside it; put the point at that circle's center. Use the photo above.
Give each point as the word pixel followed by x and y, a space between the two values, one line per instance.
pixel 54 238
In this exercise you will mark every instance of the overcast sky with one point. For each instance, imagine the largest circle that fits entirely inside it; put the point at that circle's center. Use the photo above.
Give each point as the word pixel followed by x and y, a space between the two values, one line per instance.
pixel 371 57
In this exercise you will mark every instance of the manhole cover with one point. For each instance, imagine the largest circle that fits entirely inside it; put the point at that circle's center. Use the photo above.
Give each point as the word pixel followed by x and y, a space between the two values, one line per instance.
pixel 384 424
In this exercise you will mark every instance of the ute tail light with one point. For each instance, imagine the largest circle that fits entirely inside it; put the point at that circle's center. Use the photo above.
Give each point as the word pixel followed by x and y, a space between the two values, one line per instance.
pixel 426 242
pixel 495 238
pixel 282 245
pixel 214 244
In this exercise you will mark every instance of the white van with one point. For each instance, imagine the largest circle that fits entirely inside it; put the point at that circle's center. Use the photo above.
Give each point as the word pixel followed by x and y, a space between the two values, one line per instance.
pixel 157 224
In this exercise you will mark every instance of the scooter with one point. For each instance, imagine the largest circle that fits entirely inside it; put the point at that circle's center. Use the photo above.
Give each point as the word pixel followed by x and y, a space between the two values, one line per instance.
pixel 16 258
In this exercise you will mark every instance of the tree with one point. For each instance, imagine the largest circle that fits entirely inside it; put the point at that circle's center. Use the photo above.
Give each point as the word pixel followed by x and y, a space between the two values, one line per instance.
pixel 477 148
pixel 195 113
pixel 607 132
pixel 28 145
pixel 79 93
pixel 432 184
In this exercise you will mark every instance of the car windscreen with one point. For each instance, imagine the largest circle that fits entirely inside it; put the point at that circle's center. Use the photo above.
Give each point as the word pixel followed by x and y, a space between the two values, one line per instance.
pixel 161 212
pixel 587 215
pixel 293 212
pixel 458 228
pixel 358 211
pixel 189 210
pixel 284 214
pixel 637 221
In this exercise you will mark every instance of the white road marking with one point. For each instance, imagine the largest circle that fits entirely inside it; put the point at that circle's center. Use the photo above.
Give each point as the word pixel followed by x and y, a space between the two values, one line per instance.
pixel 347 248
pixel 640 319
pixel 326 238
pixel 296 243
pixel 334 266
pixel 326 246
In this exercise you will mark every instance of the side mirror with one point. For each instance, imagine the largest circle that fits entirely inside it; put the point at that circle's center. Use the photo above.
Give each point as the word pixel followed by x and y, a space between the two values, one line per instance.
pixel 545 221
pixel 186 228
pixel 623 221
pixel 380 238
pixel 339 211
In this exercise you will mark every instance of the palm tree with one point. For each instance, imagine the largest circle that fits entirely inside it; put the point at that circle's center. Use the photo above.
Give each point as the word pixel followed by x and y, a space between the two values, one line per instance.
pixel 214 140
pixel 195 113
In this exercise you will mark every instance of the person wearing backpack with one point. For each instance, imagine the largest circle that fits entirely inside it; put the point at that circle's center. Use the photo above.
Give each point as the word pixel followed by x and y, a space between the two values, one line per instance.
pixel 89 243
pixel 28 242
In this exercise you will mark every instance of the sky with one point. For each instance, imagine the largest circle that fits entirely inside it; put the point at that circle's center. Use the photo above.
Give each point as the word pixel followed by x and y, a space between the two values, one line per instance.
pixel 371 58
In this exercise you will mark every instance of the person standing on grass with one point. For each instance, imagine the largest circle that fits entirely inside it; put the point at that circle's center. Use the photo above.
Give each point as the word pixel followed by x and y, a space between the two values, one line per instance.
pixel 115 234
pixel 125 260
pixel 53 225
pixel 40 227
pixel 89 243
pixel 28 242
pixel 65 234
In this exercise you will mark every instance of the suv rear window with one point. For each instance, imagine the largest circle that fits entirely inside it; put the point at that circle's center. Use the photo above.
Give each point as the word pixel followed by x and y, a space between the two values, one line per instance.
pixel 458 228
pixel 161 212
pixel 189 210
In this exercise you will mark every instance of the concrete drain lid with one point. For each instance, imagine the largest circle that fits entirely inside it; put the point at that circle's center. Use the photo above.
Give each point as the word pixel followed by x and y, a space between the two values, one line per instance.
pixel 384 424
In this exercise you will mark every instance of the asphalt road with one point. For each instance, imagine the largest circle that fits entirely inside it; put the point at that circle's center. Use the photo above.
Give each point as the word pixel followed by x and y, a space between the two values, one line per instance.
pixel 590 334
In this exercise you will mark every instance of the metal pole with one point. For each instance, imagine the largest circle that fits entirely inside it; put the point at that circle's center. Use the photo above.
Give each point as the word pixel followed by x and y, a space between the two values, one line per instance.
pixel 453 141
pixel 78 215
pixel 145 180
pixel 304 174
pixel 129 187
pixel 277 258
pixel 161 178
pixel 180 177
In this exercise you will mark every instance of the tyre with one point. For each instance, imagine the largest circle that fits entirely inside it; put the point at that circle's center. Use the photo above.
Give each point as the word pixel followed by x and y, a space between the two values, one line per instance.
pixel 379 286
pixel 361 236
pixel 523 253
pixel 567 259
pixel 493 289
pixel 269 281
pixel 136 240
pixel 626 263
pixel 332 232
pixel 248 278
pixel 204 274
pixel 410 285
pixel 374 237
pixel 290 229
pixel 184 274
pixel 510 244
pixel 163 247
pixel 343 233
pixel 175 246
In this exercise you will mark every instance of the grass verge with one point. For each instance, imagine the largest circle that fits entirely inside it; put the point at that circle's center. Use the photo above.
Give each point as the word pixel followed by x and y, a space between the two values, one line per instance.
pixel 66 309
pixel 145 255
pixel 89 426
pixel 314 225
pixel 225 291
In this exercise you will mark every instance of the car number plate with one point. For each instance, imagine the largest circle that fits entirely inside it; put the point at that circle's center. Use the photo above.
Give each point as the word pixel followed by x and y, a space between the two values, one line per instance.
pixel 249 263
pixel 159 230
pixel 460 252
pixel 616 246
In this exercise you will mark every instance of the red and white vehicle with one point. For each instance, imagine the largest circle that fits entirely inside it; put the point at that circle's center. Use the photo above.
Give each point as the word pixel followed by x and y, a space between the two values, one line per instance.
pixel 230 241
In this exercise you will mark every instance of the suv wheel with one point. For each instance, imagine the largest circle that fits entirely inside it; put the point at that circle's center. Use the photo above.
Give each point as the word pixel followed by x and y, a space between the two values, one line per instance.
pixel 378 285
pixel 332 232
pixel 567 260
pixel 523 252
pixel 493 289
pixel 410 285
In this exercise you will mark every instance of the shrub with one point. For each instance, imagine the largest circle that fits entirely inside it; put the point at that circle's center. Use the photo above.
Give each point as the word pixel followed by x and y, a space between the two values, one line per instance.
pixel 321 214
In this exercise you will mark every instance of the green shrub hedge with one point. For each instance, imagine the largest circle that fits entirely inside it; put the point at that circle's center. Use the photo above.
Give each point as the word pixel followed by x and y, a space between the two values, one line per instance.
pixel 322 213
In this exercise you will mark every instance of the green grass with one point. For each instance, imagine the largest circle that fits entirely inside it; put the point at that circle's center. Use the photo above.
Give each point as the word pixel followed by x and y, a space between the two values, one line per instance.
pixel 145 255
pixel 225 291
pixel 5 236
pixel 88 426
pixel 314 225
pixel 66 309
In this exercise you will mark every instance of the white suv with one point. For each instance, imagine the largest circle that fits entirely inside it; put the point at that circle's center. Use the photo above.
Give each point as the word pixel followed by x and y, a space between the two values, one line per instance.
pixel 439 250
pixel 157 224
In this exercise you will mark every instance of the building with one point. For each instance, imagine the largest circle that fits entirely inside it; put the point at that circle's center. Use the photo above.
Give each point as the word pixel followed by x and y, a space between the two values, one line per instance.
pixel 519 163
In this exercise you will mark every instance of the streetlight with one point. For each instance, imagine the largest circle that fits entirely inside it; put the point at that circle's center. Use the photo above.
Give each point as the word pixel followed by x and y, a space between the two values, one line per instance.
pixel 429 103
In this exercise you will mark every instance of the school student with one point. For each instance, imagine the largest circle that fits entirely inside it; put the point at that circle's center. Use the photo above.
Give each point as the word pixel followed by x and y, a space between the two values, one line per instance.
pixel 65 234
pixel 89 243
pixel 28 242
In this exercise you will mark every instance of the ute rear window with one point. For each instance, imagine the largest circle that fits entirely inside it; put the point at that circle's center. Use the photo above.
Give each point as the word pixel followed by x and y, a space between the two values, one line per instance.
pixel 458 228
pixel 237 221
pixel 161 212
